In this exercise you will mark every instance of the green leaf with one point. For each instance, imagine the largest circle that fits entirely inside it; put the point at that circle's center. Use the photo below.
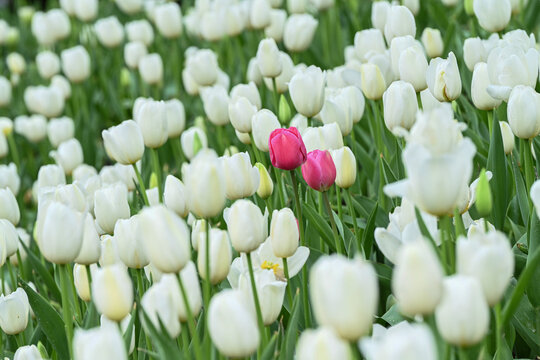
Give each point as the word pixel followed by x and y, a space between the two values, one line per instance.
pixel 496 163
pixel 521 193
pixel 49 320
pixel 289 343
pixel 533 290
pixel 42 271
pixel 320 224
pixel 524 323
pixel 270 349
pixel 393 316
pixel 165 346
pixel 368 236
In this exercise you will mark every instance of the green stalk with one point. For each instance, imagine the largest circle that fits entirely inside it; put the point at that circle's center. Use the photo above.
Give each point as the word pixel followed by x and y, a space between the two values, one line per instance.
pixel 207 284
pixel 339 203
pixel 157 170
pixel 66 308
pixel 445 224
pixel 528 165
pixel 332 222
pixel 498 329
pixel 353 216
pixel 298 208
pixel 14 151
pixel 286 270
pixel 140 283
pixel 191 319
pixel 89 279
pixel 279 181
pixel 256 299
pixel 141 185
pixel 275 95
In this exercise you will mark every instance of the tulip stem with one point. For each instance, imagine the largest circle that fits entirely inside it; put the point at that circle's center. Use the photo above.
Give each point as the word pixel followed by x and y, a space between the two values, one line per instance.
pixel 353 216
pixel 339 203
pixel 498 329
pixel 256 299
pixel 279 181
pixel 207 284
pixel 89 279
pixel 157 170
pixel 332 222
pixel 528 165
pixel 445 225
pixel 191 319
pixel 14 150
pixel 66 311
pixel 275 96
pixel 141 184
pixel 286 271
pixel 11 274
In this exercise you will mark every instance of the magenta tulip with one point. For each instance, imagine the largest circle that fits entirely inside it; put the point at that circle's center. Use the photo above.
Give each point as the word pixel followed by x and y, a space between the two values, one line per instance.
pixel 319 170
pixel 287 149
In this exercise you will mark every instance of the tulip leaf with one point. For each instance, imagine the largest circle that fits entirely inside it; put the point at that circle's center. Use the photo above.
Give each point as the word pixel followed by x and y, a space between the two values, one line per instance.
pixel 521 194
pixel 321 224
pixel 165 346
pixel 524 323
pixel 42 271
pixel 270 349
pixel 533 290
pixel 289 343
pixel 496 163
pixel 368 235
pixel 393 316
pixel 49 320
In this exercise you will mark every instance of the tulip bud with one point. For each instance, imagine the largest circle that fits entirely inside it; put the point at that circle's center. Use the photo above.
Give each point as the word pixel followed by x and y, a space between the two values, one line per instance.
pixel 3 146
pixel 85 10
pixel 433 43
pixel 216 102
pixel 400 106
pixel 174 196
pixel 277 24
pixel 334 281
pixel 111 204
pixel 462 316
pixel 268 58
pixel 76 63
pixel 259 16
pixel 479 94
pixel 133 52
pixel 152 119
pixel 193 140
pixel 168 19
pixel 327 137
pixel 220 255
pixel 241 178
pixel 399 22
pixel 417 278
pixel 80 279
pixel 5 91
pixel 287 150
pixel 246 225
pixel 10 238
pixel 112 291
pixel 297 6
pixel 203 67
pixel 266 186
pixel 104 342
pixel 412 65
pixel 9 178
pixel 319 170
pixel 109 31
pixel 368 42
pixel 509 66
pixel 241 110
pixel 62 84
pixel 443 78
pixel 263 123
pixel 151 69
pixel 14 310
pixel 124 143
pixel 15 63
pixel 48 64
pixel 484 201
pixel 284 233
pixel 129 246
pixel 299 32
pixel 524 112
pixel 90 248
pixel 492 15
pixel 60 130
pixel 176 118
pixel 158 304
pixel 373 83
pixel 253 73
pixel 28 352
pixel 323 341
pixel 307 91
pixel 508 137
pixel 9 209
pixel 140 30
pixel 345 163
pixel 129 6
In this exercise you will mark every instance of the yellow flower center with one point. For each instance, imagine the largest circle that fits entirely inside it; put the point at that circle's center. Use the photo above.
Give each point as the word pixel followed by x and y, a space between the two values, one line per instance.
pixel 267 265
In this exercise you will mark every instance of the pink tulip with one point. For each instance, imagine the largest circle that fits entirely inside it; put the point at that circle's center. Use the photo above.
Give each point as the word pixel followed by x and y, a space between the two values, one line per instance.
pixel 319 170
pixel 287 149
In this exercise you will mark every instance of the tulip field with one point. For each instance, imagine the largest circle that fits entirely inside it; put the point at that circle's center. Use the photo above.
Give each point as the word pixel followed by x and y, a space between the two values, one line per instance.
pixel 269 179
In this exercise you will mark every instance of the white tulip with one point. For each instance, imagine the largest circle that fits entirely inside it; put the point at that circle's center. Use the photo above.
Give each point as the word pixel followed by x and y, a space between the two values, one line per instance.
pixel 493 15
pixel 110 205
pixel 443 78
pixel 299 32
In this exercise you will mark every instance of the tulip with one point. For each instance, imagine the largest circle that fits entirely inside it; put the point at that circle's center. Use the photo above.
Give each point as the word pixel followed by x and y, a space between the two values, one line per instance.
pixel 140 30
pixel 168 19
pixel 50 176
pixel 60 130
pixel 287 149
pixel 158 304
pixel 399 22
pixel 124 143
pixel 205 188
pixel 133 52
pixel 509 66
pixel 263 124
pixel 259 16
pixel 345 163
pixel 193 139
pixel 151 68
pixel 232 325
pixel 367 42
pixel 336 280
pixel 284 233
pixel 327 137
pixel 462 316
pixel 277 24
pixel 268 58
pixel 9 209
pixel 493 15
pixel 241 110
pixel 400 106
pixel 412 67
pixel 236 19
pixel 216 101
pixel 373 83
pixel 319 170
pixel 165 237
pixel 48 64
pixel 282 80
pixel 248 91
pixel 474 52
pixel 60 233
pixel 300 122
pixel 253 73
pixel 191 284
pixel 524 112
pixel 401 341
pixel 46 101
pixel 5 91
pixel 174 196
pixel 27 352
pixel 202 65
pixel 479 94
pixel 90 248
pixel 297 6
pixel 379 13
pixel 109 251
pixel 443 78
pixel 299 32
pixel 220 255
pixel 85 10
pixel 109 31
pixel 241 178
pixel 10 238
pixel 152 120
pixel 110 205
pixel 105 342
pixel 266 186
pixel 433 43
pixel 80 280
pixel 60 24
pixel 307 91
pixel 14 310
pixel 76 63
pixel 322 343
pixel 62 84
pixel 70 195
pixel 9 178
pixel 246 225
pixel 130 246
pixel 129 6
pixel 176 117
pixel 112 291
pixel 488 258
pixel 3 145
pixel 123 325
pixel 508 137
pixel 417 278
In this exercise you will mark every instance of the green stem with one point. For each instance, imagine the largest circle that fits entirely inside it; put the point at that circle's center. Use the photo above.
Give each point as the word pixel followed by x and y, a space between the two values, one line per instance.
pixel 445 224
pixel 191 319
pixel 353 216
pixel 256 299
pixel 140 283
pixel 14 151
pixel 298 208
pixel 141 185
pixel 498 329
pixel 339 203
pixel 11 274
pixel 279 182
pixel 286 270
pixel 157 170
pixel 275 95
pixel 332 222
pixel 528 165
pixel 66 308
pixel 89 279
pixel 207 284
